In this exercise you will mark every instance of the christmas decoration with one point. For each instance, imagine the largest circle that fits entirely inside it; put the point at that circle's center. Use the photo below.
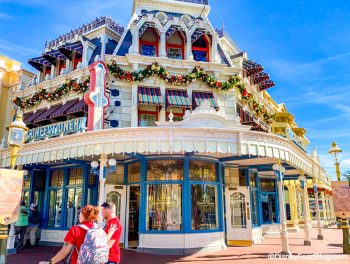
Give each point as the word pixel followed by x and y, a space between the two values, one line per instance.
pixel 69 86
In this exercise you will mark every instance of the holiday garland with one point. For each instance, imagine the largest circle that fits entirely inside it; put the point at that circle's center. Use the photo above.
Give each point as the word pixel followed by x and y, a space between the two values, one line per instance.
pixel 69 86
pixel 197 73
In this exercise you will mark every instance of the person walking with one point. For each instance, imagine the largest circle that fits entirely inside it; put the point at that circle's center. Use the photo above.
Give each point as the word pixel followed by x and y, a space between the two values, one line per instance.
pixel 21 225
pixel 86 240
pixel 108 213
pixel 34 221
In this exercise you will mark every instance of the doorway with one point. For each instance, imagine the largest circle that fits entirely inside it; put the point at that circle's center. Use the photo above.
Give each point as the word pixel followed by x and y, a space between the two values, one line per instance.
pixel 268 205
pixel 134 214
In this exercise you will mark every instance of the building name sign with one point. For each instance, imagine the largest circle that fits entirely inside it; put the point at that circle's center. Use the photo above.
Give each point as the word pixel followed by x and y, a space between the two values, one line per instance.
pixel 62 128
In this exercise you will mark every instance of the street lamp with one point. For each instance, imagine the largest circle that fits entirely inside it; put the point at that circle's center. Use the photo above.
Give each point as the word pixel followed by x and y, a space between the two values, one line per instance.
pixel 112 167
pixel 335 150
pixel 16 138
pixel 279 171
pixel 319 236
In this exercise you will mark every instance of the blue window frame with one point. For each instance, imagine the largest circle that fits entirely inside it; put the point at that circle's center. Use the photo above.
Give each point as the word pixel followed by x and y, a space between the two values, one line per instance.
pixel 254 199
pixel 148 50
pixel 199 55
pixel 268 201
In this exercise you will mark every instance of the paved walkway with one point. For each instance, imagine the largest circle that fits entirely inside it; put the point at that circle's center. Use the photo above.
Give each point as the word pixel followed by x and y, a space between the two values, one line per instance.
pixel 330 247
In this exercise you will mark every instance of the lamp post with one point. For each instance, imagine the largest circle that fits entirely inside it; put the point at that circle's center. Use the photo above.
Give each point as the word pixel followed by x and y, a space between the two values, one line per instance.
pixel 279 171
pixel 17 130
pixel 319 235
pixel 307 222
pixel 102 173
pixel 335 150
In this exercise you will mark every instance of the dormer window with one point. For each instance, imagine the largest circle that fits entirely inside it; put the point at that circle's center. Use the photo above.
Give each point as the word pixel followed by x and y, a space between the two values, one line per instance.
pixel 200 49
pixel 175 46
pixel 149 43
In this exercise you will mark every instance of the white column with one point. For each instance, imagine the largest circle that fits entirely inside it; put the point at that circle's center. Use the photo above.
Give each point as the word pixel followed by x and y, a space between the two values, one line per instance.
pixel 104 41
pixel 102 180
pixel 162 45
pixel 84 60
pixel 135 41
pixel 68 66
pixel 189 55
pixel 307 221
pixel 319 228
pixel 53 71
pixel 162 112
pixel 214 50
pixel 283 218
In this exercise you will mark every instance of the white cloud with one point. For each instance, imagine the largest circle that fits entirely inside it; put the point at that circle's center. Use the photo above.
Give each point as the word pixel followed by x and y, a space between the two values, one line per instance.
pixel 19 49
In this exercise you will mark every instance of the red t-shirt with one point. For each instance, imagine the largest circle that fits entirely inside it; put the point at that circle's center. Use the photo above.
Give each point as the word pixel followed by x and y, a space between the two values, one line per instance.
pixel 114 251
pixel 76 237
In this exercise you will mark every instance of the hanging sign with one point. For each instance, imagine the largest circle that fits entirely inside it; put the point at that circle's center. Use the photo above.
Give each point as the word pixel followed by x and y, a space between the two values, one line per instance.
pixel 341 198
pixel 10 195
pixel 96 98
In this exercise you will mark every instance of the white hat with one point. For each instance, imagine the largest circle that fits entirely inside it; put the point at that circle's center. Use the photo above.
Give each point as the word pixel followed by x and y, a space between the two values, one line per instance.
pixel 33 206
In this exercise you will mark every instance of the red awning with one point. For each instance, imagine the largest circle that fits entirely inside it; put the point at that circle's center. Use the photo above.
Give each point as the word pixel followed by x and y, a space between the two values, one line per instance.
pixel 78 107
pixel 199 97
pixel 250 67
pixel 62 111
pixel 266 85
pixel 29 119
pixel 260 77
pixel 178 98
pixel 46 114
pixel 150 96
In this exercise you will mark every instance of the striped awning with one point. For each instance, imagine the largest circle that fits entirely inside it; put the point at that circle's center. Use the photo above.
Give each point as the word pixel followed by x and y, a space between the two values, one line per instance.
pixel 68 49
pixel 260 77
pixel 198 97
pixel 250 67
pixel 53 56
pixel 62 111
pixel 46 114
pixel 266 85
pixel 26 115
pixel 150 96
pixel 39 63
pixel 30 119
pixel 178 98
pixel 78 107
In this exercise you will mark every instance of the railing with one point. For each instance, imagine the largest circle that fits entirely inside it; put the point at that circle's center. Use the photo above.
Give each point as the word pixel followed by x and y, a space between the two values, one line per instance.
pixel 223 33
pixel 84 29
pixel 201 2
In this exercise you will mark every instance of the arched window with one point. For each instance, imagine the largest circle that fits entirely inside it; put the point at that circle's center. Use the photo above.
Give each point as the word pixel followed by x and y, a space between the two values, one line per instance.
pixel 200 49
pixel 238 210
pixel 149 43
pixel 175 46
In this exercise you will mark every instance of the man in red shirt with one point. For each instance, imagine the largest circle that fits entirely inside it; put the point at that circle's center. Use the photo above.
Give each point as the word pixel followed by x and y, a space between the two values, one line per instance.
pixel 108 213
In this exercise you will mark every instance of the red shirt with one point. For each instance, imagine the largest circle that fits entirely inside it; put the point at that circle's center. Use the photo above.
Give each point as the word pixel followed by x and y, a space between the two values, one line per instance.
pixel 76 237
pixel 114 251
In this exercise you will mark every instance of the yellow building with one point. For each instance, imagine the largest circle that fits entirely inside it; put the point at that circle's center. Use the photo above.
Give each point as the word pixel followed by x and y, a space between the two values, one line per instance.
pixel 12 77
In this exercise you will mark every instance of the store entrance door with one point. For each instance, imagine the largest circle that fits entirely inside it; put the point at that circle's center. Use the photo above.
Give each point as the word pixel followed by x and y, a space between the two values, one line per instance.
pixel 238 220
pixel 117 195
pixel 133 217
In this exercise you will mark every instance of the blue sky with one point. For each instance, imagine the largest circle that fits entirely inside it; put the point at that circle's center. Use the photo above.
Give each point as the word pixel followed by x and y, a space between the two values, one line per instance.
pixel 304 46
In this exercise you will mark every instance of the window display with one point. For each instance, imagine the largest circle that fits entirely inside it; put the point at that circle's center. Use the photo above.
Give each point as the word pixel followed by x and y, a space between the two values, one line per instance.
pixel 202 171
pixel 160 170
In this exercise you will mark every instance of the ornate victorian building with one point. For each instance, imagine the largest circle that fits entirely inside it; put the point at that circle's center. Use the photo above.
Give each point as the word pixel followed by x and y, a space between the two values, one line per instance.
pixel 171 121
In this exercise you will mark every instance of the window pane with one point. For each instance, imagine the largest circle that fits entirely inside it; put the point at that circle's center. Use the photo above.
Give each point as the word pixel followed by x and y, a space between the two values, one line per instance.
pixel 76 176
pixel 115 198
pixel 160 170
pixel 199 55
pixel 164 210
pixel 39 181
pixel 231 176
pixel 254 206
pixel 268 202
pixel 238 210
pixel 134 172
pixel 242 179
pixel 267 185
pixel 73 206
pixel 202 171
pixel 204 207
pixel 148 119
pixel 57 178
pixel 148 50
pixel 26 183
pixel 175 53
pixel 55 207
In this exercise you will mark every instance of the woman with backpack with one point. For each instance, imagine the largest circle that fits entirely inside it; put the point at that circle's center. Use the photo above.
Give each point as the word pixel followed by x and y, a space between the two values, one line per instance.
pixel 34 221
pixel 87 242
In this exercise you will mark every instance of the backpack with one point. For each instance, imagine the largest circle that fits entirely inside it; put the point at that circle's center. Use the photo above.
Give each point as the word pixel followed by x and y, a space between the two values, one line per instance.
pixel 95 247
pixel 35 217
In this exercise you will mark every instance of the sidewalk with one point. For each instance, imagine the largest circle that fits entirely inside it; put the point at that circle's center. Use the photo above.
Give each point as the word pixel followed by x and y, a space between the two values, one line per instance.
pixel 331 247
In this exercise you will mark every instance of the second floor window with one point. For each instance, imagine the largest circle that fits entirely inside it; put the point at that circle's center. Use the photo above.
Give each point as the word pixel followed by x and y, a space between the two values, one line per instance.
pixel 149 43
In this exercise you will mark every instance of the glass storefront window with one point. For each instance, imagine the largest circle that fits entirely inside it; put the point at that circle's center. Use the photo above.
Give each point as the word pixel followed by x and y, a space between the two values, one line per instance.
pixel 254 205
pixel 164 210
pixel 202 171
pixel 55 208
pixel 268 202
pixel 238 210
pixel 76 176
pixel 231 176
pixel 162 170
pixel 57 178
pixel 147 119
pixel 134 172
pixel 74 201
pixel 204 207
pixel 267 185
